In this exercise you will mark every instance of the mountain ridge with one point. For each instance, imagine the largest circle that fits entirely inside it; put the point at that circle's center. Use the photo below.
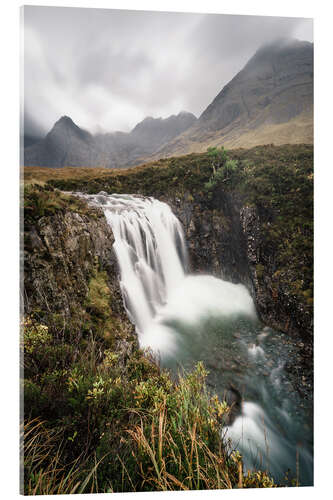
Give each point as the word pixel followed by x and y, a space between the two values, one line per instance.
pixel 269 101
pixel 69 145
pixel 275 87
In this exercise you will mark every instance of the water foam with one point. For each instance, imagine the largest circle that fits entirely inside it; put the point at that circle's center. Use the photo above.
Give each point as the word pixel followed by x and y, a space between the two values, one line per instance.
pixel 151 252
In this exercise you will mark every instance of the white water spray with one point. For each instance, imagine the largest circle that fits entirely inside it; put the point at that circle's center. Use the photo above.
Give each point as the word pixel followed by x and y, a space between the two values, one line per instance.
pixel 152 256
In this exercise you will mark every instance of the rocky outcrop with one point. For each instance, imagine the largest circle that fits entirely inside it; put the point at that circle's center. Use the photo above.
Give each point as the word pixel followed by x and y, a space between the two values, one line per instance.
pixel 276 305
pixel 226 240
pixel 59 259
pixel 63 253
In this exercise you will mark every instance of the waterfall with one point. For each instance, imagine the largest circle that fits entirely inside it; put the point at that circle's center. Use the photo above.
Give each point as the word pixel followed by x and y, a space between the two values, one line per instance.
pixel 150 248
pixel 152 256
pixel 185 318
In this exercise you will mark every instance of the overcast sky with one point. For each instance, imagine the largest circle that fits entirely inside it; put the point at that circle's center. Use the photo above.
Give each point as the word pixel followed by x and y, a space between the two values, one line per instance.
pixel 109 69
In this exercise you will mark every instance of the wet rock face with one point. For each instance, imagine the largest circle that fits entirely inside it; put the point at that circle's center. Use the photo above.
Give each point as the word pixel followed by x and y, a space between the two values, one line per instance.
pixel 61 254
pixel 226 240
pixel 250 224
pixel 214 237
pixel 59 257
pixel 277 306
pixel 251 229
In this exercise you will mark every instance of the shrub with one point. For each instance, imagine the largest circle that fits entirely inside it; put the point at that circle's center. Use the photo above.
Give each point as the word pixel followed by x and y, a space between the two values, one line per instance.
pixel 222 175
pixel 217 156
pixel 35 335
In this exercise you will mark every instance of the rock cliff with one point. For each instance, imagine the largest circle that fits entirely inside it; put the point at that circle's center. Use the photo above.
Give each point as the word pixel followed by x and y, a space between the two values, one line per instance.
pixel 71 276
pixel 226 241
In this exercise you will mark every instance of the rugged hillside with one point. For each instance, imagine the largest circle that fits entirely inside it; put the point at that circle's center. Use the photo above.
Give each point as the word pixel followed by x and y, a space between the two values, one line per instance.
pixel 67 253
pixel 269 101
pixel 69 145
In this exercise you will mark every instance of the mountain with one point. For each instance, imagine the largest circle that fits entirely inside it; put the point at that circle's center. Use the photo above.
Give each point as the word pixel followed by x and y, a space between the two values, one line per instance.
pixel 153 133
pixel 120 149
pixel 269 101
pixel 65 145
pixel 69 145
pixel 29 140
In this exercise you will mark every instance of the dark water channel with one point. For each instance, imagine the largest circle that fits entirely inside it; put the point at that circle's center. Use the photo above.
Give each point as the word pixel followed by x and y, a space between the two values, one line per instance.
pixel 271 422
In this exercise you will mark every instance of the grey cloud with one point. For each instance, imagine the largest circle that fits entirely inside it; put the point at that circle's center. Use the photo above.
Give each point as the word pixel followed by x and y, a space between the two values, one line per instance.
pixel 111 68
pixel 31 127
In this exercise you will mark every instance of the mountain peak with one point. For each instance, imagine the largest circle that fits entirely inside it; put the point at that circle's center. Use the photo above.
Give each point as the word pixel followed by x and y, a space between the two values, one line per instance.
pixel 279 52
pixel 270 76
pixel 185 113
pixel 269 101
pixel 149 119
pixel 65 121
pixel 66 118
pixel 279 46
pixel 172 125
pixel 65 126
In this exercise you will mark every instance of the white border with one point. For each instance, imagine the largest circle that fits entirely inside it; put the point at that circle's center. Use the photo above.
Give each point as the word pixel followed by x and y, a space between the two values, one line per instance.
pixel 9 123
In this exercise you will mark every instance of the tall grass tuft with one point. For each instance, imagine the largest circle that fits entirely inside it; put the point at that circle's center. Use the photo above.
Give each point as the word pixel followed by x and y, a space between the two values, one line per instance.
pixel 45 469
pixel 178 446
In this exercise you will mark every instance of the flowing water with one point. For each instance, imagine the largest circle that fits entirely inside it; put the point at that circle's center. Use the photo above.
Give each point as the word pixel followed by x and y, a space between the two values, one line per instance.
pixel 185 318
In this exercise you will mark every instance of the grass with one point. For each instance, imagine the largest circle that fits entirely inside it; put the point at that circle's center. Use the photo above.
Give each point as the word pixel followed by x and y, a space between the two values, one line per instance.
pixel 178 445
pixel 41 200
pixel 33 175
pixel 41 175
pixel 94 423
pixel 98 307
pixel 44 469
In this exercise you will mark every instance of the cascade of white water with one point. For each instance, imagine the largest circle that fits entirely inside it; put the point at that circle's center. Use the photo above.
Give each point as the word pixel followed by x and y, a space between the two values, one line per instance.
pixel 150 249
pixel 151 252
